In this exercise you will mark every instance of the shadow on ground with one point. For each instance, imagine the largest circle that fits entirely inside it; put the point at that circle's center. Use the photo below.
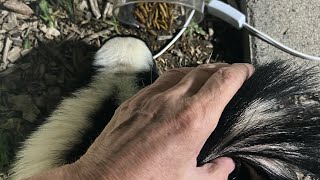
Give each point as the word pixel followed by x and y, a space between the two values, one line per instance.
pixel 32 88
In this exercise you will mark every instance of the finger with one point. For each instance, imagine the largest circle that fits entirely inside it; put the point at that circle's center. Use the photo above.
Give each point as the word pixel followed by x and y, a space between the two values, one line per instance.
pixel 218 169
pixel 164 82
pixel 171 78
pixel 216 93
pixel 194 80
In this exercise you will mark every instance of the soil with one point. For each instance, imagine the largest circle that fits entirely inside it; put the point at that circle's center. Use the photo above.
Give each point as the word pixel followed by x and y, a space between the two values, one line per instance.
pixel 45 54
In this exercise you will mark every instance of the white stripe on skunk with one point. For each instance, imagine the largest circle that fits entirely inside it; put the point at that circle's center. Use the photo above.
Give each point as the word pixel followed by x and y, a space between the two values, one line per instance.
pixel 120 59
pixel 264 128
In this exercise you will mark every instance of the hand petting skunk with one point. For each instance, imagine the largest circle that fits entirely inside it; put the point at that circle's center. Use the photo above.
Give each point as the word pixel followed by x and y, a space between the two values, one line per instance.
pixel 271 127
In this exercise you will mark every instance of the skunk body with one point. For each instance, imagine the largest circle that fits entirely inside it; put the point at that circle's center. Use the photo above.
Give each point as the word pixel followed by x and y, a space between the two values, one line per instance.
pixel 263 128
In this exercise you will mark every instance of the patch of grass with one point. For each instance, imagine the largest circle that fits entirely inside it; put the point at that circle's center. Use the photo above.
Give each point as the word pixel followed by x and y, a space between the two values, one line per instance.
pixel 46 13
pixel 114 22
pixel 194 28
pixel 26 43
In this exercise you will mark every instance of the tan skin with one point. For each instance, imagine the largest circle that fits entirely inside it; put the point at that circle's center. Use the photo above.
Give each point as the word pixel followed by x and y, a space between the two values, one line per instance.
pixel 158 133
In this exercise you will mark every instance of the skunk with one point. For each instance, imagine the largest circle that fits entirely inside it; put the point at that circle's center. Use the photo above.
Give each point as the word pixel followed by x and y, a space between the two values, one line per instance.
pixel 269 128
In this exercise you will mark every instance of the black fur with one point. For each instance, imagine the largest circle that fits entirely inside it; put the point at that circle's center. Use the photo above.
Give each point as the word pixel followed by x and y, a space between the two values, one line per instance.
pixel 266 128
pixel 288 136
pixel 289 132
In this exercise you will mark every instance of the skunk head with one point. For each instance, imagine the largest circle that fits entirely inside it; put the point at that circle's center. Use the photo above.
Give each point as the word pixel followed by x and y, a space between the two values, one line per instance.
pixel 124 55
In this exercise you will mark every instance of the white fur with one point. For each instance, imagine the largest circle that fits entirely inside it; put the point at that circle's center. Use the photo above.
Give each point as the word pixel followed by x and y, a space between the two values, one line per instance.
pixel 43 149
pixel 126 56
pixel 253 116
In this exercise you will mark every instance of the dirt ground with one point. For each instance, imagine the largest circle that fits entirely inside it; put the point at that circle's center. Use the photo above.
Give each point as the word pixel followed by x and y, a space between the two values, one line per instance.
pixel 46 51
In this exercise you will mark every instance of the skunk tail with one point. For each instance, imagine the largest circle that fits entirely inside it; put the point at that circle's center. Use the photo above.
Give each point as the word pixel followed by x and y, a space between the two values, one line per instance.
pixel 272 125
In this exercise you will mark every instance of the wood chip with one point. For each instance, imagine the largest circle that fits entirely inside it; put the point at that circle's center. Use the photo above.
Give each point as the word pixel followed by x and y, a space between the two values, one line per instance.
pixel 96 35
pixel 83 6
pixel 11 22
pixel 14 54
pixel 1 46
pixel 50 33
pixel 18 7
pixel 23 26
pixel 177 52
pixel 25 52
pixel 211 32
pixel 6 49
pixel 95 8
pixel 17 41
pixel 107 13
pixel 164 38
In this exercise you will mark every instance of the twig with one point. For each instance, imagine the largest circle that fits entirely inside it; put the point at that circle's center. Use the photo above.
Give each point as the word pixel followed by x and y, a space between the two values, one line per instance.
pixel 94 8
pixel 5 52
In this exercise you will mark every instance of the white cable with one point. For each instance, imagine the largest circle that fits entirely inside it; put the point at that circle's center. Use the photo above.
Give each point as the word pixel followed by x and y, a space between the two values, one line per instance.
pixel 279 45
pixel 188 21
pixel 238 20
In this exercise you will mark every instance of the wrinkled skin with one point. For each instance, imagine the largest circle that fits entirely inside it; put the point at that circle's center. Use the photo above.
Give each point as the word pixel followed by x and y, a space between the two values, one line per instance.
pixel 158 133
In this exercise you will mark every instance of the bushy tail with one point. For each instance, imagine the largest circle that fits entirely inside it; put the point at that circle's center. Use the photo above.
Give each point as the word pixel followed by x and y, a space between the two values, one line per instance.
pixel 272 125
pixel 78 120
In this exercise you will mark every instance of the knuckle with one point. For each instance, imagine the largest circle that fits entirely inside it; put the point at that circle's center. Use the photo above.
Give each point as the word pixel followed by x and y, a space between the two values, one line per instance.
pixel 229 76
pixel 178 71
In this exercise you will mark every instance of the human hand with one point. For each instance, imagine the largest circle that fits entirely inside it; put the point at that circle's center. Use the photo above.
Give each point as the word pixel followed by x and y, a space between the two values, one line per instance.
pixel 158 133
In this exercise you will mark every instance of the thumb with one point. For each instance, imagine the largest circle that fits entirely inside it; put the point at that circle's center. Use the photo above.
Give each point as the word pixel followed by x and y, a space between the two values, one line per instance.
pixel 219 169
